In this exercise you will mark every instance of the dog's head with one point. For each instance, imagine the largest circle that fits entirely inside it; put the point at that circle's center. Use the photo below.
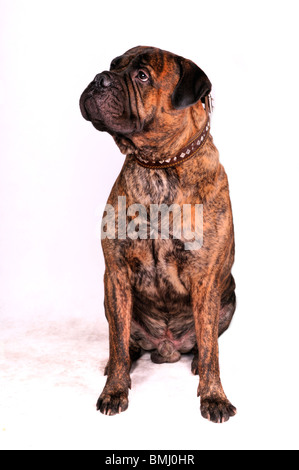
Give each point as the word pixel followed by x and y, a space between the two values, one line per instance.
pixel 146 92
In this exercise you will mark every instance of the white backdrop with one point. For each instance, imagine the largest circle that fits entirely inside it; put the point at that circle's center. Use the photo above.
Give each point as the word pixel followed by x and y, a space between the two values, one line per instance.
pixel 56 172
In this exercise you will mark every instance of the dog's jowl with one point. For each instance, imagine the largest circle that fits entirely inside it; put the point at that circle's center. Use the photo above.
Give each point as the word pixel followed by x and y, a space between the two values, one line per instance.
pixel 164 292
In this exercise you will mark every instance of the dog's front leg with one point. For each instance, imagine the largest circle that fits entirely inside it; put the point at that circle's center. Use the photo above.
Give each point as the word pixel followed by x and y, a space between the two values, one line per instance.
pixel 206 307
pixel 118 307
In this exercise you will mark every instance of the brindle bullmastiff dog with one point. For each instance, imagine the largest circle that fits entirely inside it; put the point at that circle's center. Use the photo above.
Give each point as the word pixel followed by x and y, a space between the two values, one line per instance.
pixel 159 295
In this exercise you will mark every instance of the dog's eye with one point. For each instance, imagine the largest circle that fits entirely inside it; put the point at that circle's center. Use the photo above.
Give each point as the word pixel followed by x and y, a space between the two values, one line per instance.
pixel 143 76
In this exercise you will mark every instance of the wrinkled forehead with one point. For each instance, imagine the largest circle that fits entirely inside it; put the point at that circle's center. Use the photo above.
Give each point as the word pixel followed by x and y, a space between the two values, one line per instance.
pixel 143 57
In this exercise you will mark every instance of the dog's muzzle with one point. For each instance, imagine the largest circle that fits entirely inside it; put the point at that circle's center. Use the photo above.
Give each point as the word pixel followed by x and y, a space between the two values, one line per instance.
pixel 105 103
pixel 102 96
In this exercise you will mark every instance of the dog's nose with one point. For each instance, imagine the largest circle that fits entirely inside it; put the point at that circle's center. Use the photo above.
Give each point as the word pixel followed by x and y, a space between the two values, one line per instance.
pixel 103 80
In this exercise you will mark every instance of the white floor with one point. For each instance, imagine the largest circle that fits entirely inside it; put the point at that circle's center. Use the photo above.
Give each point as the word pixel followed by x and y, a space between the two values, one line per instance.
pixel 51 376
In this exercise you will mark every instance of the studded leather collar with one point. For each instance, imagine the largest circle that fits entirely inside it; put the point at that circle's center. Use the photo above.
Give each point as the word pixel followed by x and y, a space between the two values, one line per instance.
pixel 187 152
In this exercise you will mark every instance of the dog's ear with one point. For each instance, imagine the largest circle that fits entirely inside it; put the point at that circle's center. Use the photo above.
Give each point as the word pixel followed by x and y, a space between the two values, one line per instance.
pixel 193 85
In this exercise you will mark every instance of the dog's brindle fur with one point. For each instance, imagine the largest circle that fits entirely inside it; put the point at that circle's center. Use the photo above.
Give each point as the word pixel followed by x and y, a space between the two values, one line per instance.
pixel 158 296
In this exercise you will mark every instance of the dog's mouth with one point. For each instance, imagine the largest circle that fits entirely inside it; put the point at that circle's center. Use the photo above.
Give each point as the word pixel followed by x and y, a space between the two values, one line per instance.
pixel 98 105
pixel 107 106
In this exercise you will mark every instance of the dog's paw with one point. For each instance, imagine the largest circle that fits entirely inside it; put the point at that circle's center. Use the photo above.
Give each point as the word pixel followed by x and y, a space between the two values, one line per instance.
pixel 217 411
pixel 113 403
pixel 194 365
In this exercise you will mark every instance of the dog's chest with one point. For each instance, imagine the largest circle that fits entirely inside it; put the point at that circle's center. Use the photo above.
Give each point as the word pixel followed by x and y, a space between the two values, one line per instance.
pixel 151 187
pixel 161 293
pixel 158 269
pixel 157 265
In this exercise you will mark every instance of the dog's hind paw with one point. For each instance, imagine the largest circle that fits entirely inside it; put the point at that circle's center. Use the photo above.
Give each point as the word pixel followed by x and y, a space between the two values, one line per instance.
pixel 194 365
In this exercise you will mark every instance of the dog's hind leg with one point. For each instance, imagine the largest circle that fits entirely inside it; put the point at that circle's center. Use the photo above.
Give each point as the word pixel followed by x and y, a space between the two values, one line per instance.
pixel 194 365
pixel 228 306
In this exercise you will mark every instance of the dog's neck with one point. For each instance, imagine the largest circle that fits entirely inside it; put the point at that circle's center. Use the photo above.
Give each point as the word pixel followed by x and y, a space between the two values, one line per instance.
pixel 183 155
pixel 164 145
